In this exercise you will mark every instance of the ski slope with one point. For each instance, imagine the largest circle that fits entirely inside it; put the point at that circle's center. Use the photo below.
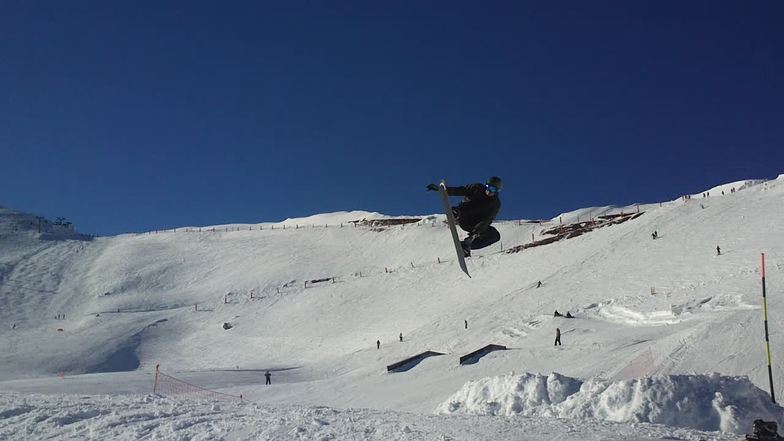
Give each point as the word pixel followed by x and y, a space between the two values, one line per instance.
pixel 654 318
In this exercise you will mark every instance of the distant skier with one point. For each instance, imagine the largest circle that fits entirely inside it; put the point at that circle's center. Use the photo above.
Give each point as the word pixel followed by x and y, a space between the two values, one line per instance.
pixel 539 284
pixel 478 210
pixel 569 315
pixel 557 314
pixel 718 251
pixel 378 344
pixel 557 337
pixel 466 323
pixel 268 375
pixel 401 336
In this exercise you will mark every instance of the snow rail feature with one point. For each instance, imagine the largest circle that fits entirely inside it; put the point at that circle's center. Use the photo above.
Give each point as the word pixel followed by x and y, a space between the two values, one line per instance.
pixel 473 357
pixel 411 362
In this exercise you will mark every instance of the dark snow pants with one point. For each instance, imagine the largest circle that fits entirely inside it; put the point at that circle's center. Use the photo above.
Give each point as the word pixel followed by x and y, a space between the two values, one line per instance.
pixel 489 237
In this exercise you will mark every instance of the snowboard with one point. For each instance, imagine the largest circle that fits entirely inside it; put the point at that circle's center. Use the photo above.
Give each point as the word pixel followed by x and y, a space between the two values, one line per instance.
pixel 450 218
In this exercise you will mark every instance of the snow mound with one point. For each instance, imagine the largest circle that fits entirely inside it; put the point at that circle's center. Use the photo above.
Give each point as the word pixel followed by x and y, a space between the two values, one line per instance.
pixel 620 314
pixel 340 217
pixel 321 219
pixel 584 214
pixel 702 402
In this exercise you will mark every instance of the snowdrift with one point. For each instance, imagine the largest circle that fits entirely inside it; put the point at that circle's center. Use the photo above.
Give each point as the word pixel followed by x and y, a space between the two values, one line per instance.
pixel 702 402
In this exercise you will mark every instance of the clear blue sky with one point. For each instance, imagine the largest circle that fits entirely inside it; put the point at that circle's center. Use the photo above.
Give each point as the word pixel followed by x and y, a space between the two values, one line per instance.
pixel 138 115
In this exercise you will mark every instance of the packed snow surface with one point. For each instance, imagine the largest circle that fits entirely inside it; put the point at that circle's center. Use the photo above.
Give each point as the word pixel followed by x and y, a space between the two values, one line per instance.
pixel 149 417
pixel 666 340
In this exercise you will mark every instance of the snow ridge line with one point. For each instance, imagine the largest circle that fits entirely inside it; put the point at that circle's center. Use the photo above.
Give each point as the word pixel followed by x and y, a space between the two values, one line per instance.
pixel 370 226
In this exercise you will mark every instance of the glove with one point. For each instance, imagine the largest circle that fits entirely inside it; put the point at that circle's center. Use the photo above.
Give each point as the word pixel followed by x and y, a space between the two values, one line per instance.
pixel 432 187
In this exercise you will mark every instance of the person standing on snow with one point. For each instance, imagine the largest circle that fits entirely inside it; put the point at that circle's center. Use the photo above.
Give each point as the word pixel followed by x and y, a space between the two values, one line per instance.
pixel 268 375
pixel 478 210
pixel 557 337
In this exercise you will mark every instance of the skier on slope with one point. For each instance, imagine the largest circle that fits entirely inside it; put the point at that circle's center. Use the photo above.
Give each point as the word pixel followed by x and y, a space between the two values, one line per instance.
pixel 479 208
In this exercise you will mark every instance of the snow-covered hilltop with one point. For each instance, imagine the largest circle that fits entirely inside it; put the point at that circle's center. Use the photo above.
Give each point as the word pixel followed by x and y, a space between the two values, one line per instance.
pixel 658 324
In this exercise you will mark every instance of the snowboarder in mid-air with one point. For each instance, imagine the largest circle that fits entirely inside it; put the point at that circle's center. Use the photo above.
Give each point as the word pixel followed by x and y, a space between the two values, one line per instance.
pixel 478 210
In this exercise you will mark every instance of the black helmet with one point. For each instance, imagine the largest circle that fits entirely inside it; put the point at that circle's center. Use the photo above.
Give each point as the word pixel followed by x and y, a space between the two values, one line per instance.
pixel 496 182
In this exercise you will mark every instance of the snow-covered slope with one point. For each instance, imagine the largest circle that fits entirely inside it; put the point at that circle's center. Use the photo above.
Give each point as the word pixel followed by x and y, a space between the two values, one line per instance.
pixel 643 307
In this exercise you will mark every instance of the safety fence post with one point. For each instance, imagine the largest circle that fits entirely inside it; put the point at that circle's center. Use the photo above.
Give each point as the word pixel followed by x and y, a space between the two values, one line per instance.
pixel 155 385
pixel 767 338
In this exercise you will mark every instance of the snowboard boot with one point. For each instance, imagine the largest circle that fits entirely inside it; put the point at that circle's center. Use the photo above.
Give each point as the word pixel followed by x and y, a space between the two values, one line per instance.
pixel 466 246
pixel 764 431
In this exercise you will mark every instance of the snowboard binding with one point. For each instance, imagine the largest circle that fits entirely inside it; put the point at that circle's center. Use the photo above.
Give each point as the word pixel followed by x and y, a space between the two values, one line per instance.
pixel 764 431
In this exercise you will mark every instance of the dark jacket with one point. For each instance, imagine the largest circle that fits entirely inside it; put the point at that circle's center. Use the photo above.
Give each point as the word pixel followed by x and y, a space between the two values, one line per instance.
pixel 478 210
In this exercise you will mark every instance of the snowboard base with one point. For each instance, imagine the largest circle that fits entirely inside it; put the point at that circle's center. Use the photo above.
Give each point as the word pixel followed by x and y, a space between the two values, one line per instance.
pixel 450 218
